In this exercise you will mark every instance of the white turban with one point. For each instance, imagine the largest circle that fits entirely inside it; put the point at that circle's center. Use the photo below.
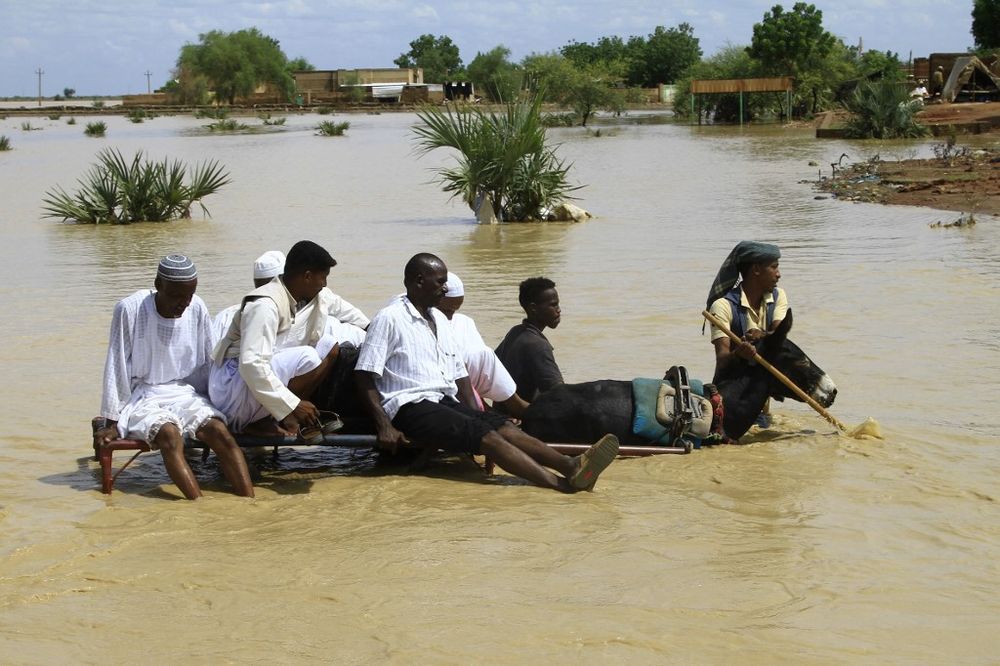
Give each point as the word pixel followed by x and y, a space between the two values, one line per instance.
pixel 268 265
pixel 455 286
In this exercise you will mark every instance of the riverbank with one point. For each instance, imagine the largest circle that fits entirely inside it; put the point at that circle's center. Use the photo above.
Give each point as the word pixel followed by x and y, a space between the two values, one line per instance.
pixel 956 179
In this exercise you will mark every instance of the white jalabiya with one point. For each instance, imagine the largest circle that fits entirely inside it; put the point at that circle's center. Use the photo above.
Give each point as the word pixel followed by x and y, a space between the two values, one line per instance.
pixel 488 375
pixel 221 322
pixel 289 356
pixel 151 364
pixel 255 384
pixel 409 361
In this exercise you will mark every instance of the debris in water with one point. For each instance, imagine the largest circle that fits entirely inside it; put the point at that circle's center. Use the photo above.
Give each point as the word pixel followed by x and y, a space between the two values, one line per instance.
pixel 870 429
pixel 964 220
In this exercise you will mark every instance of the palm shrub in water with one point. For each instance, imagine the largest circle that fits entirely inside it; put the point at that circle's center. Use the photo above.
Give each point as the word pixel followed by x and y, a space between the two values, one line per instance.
pixel 118 191
pixel 503 158
pixel 4 143
pixel 882 110
pixel 330 128
pixel 97 129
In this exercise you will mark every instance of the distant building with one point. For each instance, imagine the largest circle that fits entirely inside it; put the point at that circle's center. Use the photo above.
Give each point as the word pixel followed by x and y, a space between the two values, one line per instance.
pixel 381 84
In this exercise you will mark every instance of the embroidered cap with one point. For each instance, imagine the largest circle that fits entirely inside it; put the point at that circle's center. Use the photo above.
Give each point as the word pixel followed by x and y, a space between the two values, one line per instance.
pixel 176 268
pixel 269 265
pixel 455 286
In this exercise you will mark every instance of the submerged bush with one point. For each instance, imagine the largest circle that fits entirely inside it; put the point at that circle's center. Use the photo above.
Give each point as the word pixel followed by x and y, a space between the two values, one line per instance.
pixel 97 129
pixel 218 113
pixel 116 191
pixel 503 157
pixel 4 143
pixel 882 111
pixel 330 128
pixel 71 121
pixel 26 126
pixel 139 115
pixel 226 125
pixel 55 116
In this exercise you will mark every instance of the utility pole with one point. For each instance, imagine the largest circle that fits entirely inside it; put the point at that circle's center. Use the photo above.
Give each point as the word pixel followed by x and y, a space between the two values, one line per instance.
pixel 149 89
pixel 39 71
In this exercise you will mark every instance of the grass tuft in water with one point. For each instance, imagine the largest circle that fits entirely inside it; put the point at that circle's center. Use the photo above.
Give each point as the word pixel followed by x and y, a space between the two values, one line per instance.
pixel 97 129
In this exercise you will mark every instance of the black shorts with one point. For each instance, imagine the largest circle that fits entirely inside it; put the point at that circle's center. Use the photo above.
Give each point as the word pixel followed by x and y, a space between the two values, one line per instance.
pixel 449 424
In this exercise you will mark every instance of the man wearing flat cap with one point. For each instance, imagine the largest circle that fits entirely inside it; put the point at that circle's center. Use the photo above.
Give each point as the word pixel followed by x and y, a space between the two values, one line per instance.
pixel 161 343
pixel 746 298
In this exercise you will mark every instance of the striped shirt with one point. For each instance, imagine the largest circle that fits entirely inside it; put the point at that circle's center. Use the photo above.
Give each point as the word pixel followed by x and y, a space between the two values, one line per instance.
pixel 409 362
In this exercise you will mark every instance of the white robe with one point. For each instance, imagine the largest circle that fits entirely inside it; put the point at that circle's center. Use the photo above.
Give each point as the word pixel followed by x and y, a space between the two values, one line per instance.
pixel 154 366
pixel 488 375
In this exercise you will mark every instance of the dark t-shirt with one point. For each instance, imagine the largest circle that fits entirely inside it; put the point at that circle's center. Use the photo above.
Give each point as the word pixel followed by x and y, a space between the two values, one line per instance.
pixel 527 355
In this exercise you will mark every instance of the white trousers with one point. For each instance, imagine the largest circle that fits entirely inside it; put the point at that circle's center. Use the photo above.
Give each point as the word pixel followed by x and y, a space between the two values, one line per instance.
pixel 150 407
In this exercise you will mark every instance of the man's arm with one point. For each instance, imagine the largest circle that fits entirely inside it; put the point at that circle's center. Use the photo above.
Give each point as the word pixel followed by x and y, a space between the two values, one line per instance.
pixel 388 436
pixel 117 387
pixel 547 373
pixel 345 312
pixel 466 395
pixel 259 329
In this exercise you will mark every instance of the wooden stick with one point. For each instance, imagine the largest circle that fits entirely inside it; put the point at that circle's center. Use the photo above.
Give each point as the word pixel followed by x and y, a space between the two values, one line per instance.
pixel 777 373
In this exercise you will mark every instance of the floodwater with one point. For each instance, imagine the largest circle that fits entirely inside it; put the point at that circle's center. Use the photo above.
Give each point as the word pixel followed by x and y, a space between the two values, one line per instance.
pixel 802 546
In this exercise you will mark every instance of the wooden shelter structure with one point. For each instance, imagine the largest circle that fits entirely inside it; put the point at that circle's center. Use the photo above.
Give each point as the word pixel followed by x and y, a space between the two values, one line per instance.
pixel 740 86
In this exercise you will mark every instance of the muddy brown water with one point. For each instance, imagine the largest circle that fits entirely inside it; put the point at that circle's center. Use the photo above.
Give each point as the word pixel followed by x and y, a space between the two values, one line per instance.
pixel 802 546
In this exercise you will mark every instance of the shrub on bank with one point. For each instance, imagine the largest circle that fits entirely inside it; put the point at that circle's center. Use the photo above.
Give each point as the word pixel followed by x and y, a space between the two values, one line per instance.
pixel 116 191
pixel 883 111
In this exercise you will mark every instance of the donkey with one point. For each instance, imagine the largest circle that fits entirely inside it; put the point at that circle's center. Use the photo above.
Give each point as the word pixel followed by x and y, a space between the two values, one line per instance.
pixel 583 412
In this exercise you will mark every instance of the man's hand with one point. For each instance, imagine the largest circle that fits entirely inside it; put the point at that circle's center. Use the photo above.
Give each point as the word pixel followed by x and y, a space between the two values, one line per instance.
pixel 104 435
pixel 305 413
pixel 745 350
pixel 389 438
pixel 755 335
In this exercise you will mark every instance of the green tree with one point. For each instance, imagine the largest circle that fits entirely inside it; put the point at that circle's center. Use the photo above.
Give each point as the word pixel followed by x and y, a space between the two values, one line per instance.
pixel 877 65
pixel 666 54
pixel 437 56
pixel 986 23
pixel 235 64
pixel 68 93
pixel 729 62
pixel 300 64
pixel 789 43
pixel 493 73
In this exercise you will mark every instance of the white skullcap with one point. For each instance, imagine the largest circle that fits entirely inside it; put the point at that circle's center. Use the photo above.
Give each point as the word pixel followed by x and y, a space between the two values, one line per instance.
pixel 176 268
pixel 455 286
pixel 268 265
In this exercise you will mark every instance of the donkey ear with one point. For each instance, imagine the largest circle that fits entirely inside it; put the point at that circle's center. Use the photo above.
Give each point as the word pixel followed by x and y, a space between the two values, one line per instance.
pixel 777 338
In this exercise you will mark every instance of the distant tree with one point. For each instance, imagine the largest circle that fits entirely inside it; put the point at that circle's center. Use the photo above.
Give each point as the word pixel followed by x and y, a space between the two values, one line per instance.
pixel 986 23
pixel 437 56
pixel 300 64
pixel 666 54
pixel 68 93
pixel 605 49
pixel 234 64
pixel 493 73
pixel 789 43
pixel 729 62
pixel 878 65
pixel 549 75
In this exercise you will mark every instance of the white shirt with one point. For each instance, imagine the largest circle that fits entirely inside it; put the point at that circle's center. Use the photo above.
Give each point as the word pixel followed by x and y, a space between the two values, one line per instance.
pixel 409 362
pixel 147 349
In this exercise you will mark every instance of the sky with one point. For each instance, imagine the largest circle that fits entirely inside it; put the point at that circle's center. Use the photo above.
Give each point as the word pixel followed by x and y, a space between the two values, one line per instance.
pixel 105 47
